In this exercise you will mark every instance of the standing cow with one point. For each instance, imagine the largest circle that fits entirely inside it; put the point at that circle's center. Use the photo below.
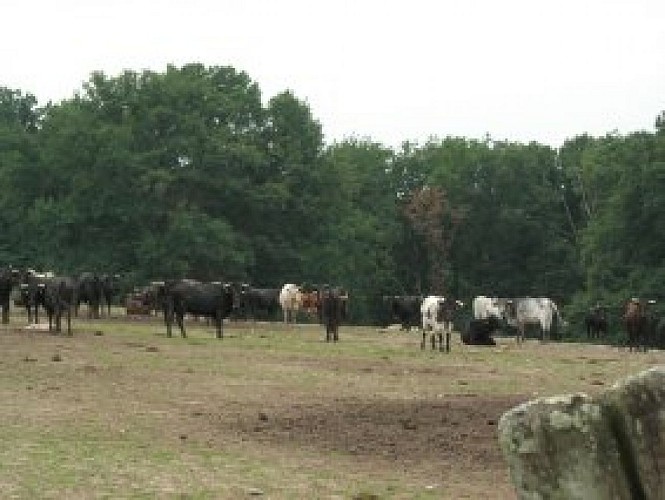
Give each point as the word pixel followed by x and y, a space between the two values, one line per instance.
pixel 109 289
pixel 60 299
pixel 32 292
pixel 310 302
pixel 256 302
pixel 438 315
pixel 540 311
pixel 9 278
pixel 404 309
pixel 213 300
pixel 596 323
pixel 90 293
pixel 334 310
pixel 290 299
pixel 638 321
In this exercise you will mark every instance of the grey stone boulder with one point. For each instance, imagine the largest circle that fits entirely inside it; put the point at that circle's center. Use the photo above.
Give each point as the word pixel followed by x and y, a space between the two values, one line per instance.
pixel 635 408
pixel 611 446
pixel 562 448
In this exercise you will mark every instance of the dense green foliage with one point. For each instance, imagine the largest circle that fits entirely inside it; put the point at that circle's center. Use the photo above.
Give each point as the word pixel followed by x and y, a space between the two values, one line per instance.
pixel 188 173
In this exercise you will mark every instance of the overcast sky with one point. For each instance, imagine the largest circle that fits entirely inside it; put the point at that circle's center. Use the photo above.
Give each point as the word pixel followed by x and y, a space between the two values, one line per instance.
pixel 391 71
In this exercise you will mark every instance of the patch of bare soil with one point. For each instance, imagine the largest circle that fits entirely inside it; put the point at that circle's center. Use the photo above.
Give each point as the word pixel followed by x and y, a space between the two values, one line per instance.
pixel 428 436
pixel 397 430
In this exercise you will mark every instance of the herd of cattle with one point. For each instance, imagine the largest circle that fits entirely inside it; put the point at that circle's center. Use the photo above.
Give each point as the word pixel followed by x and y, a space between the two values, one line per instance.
pixel 434 315
pixel 60 297
pixel 217 300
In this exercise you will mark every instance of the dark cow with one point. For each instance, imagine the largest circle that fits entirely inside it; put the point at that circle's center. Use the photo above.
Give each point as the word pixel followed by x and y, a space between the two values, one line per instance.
pixel 255 302
pixel 334 310
pixel 32 293
pixel 596 323
pixel 404 309
pixel 213 300
pixel 635 321
pixel 9 278
pixel 109 289
pixel 479 331
pixel 90 293
pixel 644 327
pixel 60 299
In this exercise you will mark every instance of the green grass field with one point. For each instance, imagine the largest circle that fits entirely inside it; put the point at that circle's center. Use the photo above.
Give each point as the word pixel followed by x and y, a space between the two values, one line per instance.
pixel 120 411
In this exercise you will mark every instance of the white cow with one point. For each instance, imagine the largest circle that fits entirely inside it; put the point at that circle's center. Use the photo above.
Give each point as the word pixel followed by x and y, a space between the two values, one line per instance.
pixel 532 310
pixel 488 307
pixel 290 298
pixel 438 314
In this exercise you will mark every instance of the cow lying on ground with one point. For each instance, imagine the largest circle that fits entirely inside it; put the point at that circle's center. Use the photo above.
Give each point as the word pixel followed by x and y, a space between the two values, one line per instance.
pixel 479 331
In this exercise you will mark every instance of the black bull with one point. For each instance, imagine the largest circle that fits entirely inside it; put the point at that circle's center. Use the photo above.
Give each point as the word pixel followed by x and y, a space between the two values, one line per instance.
pixel 9 278
pixel 334 310
pixel 258 301
pixel 213 300
pixel 59 299
pixel 405 309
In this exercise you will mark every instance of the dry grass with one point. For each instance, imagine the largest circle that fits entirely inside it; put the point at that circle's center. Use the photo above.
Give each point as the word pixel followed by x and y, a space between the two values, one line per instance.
pixel 119 410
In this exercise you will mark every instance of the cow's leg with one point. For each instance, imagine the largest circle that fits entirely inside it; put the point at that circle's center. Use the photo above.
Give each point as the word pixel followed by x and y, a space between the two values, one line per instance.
pixel 69 321
pixel 218 324
pixel 336 333
pixel 180 318
pixel 5 313
pixel 168 319
pixel 422 344
pixel 448 332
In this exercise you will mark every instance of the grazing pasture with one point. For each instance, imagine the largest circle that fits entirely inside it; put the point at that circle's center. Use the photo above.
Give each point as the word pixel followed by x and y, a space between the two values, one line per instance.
pixel 120 410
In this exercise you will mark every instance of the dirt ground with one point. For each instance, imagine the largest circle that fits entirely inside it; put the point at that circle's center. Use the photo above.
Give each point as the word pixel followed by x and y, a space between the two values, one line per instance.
pixel 371 417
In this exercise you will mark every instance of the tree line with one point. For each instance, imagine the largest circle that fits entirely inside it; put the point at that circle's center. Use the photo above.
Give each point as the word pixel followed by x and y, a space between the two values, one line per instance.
pixel 186 173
